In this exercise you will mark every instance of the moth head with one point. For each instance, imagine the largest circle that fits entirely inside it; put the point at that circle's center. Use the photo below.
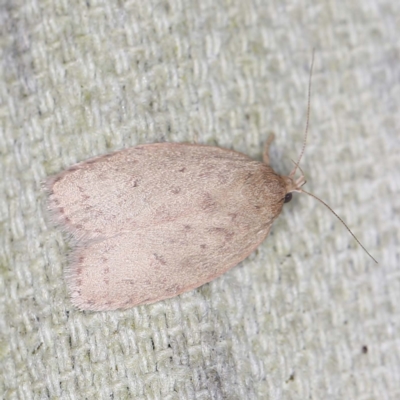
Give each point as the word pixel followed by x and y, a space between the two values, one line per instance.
pixel 293 184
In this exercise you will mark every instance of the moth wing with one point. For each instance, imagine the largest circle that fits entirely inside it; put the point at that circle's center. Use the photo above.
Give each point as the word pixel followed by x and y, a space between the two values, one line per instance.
pixel 154 221
pixel 135 187
pixel 143 267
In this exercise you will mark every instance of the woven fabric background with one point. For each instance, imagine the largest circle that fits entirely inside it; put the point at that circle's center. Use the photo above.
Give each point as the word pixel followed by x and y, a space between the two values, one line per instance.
pixel 308 315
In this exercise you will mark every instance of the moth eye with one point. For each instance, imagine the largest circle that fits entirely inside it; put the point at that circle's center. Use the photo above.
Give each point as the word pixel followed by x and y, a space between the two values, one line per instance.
pixel 288 197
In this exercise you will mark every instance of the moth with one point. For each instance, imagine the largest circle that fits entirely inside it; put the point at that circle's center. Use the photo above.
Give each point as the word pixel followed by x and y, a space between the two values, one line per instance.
pixel 157 220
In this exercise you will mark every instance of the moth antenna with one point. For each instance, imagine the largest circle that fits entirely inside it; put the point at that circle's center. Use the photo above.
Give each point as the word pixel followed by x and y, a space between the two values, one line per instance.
pixel 299 182
pixel 340 219
pixel 308 116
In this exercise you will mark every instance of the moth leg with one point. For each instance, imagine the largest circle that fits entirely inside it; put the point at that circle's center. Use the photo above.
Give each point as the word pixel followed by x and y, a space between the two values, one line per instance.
pixel 270 139
pixel 196 137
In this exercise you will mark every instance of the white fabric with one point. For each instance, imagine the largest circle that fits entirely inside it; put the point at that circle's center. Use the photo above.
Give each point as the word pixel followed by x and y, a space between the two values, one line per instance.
pixel 308 314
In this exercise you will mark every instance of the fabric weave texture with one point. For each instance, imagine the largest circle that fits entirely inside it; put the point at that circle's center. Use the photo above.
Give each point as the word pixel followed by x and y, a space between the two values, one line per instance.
pixel 308 315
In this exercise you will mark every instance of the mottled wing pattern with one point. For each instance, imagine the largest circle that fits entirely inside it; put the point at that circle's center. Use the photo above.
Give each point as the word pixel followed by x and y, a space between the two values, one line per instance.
pixel 153 221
